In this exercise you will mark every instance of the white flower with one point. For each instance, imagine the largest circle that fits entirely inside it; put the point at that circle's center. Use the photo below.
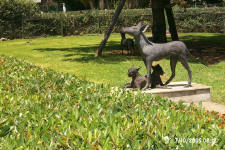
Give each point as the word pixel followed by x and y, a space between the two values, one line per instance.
pixel 214 126
pixel 116 88
pixel 213 141
pixel 20 114
pixel 198 126
pixel 166 139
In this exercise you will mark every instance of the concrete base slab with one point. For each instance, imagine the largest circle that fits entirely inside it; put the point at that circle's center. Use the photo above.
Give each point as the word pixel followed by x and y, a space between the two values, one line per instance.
pixel 177 91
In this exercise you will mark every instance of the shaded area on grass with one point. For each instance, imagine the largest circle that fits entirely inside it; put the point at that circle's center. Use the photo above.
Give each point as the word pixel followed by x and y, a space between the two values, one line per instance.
pixel 78 50
pixel 208 49
pixel 111 55
pixel 106 59
pixel 111 45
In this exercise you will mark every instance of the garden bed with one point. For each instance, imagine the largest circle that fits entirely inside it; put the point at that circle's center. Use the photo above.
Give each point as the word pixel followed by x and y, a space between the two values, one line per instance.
pixel 41 108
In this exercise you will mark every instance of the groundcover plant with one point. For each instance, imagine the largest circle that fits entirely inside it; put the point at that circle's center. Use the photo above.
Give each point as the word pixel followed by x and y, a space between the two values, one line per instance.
pixel 41 108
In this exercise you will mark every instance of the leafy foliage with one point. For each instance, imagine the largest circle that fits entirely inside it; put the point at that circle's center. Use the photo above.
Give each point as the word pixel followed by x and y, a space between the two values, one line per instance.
pixel 201 21
pixel 41 108
pixel 193 20
pixel 12 13
pixel 204 1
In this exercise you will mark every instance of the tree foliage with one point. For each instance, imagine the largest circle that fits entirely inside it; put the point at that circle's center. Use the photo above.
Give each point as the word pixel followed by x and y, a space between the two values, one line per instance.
pixel 130 4
pixel 12 13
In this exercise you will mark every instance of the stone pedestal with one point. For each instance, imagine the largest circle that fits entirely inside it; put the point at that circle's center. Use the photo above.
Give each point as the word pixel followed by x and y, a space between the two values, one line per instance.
pixel 177 91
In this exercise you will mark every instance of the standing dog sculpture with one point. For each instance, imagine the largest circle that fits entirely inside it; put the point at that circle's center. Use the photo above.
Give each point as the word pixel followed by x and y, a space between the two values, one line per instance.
pixel 150 52
pixel 127 43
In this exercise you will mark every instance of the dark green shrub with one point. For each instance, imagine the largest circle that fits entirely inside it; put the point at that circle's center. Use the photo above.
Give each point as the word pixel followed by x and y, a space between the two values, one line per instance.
pixel 80 22
pixel 200 20
pixel 12 13
pixel 193 20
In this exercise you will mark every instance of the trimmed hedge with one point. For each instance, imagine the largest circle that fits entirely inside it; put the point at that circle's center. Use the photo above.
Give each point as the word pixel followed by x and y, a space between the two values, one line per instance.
pixel 81 22
pixel 193 20
pixel 201 20
pixel 12 13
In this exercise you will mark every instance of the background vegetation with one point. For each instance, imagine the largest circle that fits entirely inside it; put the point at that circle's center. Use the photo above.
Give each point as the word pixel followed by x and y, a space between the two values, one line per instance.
pixel 73 23
pixel 41 108
pixel 23 19
pixel 12 13
pixel 130 4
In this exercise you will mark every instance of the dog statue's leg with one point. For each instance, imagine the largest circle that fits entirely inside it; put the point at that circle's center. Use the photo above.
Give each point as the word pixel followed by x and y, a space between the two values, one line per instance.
pixel 132 46
pixel 173 62
pixel 149 66
pixel 186 66
pixel 144 60
pixel 122 49
pixel 129 49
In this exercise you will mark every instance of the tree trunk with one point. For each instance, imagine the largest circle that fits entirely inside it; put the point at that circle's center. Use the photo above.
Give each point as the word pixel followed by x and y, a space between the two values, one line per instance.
pixel 110 28
pixel 132 4
pixel 107 4
pixel 101 4
pixel 171 22
pixel 159 24
pixel 128 4
pixel 92 4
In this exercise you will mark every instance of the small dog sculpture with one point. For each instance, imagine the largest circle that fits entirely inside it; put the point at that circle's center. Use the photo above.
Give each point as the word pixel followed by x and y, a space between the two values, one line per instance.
pixel 127 43
pixel 139 81
pixel 155 76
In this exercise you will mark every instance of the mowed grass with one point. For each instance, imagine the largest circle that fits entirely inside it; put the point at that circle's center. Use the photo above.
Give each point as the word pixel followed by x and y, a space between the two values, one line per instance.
pixel 75 55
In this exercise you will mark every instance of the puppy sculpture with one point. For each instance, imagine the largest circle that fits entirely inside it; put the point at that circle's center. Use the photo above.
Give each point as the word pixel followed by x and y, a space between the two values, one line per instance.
pixel 139 81
pixel 127 43
pixel 155 76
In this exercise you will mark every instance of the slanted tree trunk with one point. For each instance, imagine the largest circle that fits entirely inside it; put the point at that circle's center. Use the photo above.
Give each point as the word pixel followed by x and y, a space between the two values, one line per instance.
pixel 171 21
pixel 110 28
pixel 159 24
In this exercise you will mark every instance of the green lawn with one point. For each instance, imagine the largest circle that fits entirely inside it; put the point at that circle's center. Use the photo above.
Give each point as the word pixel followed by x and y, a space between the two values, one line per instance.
pixel 75 55
pixel 44 109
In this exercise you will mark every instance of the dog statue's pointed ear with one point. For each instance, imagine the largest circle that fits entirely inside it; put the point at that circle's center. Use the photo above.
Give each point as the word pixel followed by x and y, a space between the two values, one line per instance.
pixel 157 65
pixel 153 67
pixel 144 28
pixel 138 68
